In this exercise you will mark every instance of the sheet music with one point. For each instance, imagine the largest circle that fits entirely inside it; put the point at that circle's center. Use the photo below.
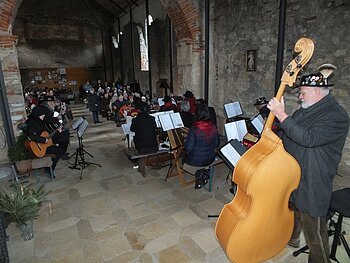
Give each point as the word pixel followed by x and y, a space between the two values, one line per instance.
pixel 160 102
pixel 236 130
pixel 231 154
pixel 258 123
pixel 156 119
pixel 176 119
pixel 166 122
pixel 233 109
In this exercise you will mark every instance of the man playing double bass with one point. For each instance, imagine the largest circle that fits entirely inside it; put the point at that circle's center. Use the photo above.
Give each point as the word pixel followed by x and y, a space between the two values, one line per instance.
pixel 315 136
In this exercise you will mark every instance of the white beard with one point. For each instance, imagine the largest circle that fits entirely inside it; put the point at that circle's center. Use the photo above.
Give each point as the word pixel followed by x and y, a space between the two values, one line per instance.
pixel 304 105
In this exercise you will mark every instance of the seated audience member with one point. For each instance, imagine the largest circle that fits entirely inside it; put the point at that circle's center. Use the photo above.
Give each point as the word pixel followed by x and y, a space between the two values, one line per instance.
pixel 202 139
pixel 35 127
pixel 105 111
pixel 116 107
pixel 168 104
pixel 186 116
pixel 144 127
pixel 203 103
pixel 192 100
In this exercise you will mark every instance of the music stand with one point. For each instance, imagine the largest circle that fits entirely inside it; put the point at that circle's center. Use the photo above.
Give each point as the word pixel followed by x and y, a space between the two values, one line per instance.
pixel 79 156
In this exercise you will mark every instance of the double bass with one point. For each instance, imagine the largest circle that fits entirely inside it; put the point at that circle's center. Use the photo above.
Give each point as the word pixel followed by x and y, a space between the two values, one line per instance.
pixel 257 224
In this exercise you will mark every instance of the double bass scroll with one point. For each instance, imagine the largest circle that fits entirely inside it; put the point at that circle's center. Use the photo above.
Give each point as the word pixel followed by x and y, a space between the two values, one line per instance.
pixel 257 224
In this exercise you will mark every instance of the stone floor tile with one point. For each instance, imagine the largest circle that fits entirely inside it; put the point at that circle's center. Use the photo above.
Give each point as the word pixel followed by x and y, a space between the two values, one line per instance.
pixel 194 228
pixel 113 246
pixel 130 256
pixel 161 243
pixel 91 252
pixel 192 249
pixel 173 254
pixel 135 238
pixel 211 206
pixel 185 217
pixel 153 230
pixel 138 210
pixel 206 240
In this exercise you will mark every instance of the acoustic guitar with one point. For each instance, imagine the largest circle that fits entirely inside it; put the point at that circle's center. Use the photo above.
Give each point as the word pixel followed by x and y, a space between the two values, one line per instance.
pixel 257 224
pixel 38 148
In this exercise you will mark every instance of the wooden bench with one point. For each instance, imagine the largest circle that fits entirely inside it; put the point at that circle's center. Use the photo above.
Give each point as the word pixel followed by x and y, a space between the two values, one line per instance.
pixel 144 160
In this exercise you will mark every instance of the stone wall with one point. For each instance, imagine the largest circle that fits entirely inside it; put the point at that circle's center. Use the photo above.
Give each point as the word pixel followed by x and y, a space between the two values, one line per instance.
pixel 43 46
pixel 238 26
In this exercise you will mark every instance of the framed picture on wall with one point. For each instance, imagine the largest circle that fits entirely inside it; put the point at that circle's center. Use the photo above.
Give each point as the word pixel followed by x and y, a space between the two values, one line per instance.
pixel 251 60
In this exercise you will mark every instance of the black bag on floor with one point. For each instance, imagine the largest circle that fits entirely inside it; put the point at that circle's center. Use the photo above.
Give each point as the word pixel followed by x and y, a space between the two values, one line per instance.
pixel 202 177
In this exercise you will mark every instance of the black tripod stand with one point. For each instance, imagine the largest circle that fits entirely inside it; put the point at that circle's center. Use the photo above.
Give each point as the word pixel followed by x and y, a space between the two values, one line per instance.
pixel 79 159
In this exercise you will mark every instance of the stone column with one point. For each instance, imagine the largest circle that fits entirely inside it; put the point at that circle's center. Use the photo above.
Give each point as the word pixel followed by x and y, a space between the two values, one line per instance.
pixel 13 85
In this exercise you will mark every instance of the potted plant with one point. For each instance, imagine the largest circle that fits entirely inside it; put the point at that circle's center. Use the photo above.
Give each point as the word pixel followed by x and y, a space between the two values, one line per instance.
pixel 19 154
pixel 22 205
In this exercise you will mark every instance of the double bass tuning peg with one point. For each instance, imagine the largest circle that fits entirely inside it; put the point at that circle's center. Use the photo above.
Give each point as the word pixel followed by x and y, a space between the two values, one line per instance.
pixel 299 65
pixel 291 73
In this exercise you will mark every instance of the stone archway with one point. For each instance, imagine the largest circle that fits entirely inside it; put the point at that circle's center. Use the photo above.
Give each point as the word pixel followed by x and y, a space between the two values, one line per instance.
pixel 186 18
pixel 10 67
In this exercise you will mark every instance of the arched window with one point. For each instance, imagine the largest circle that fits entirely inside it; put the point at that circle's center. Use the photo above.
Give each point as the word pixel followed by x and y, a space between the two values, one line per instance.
pixel 143 50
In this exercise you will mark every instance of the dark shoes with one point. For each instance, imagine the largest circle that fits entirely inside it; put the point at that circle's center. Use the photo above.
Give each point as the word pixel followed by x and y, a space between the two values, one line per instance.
pixel 202 177
pixel 65 156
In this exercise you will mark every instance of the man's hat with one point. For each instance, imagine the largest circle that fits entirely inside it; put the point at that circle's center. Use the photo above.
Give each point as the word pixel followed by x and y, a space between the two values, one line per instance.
pixel 260 101
pixel 50 98
pixel 319 79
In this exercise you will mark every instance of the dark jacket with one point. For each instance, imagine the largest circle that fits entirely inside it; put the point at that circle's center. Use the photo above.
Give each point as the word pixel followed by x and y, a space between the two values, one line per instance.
pixel 201 142
pixel 144 126
pixel 187 118
pixel 94 102
pixel 34 128
pixel 315 137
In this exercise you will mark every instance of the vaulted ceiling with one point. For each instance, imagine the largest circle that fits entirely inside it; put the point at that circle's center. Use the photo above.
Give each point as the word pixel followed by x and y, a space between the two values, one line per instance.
pixel 92 12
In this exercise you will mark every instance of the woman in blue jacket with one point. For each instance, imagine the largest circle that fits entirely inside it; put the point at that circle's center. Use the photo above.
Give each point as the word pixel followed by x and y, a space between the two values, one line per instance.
pixel 202 139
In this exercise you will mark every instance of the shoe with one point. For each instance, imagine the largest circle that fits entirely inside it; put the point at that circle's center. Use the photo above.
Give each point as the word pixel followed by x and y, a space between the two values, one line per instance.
pixel 99 122
pixel 198 184
pixel 64 156
pixel 295 243
pixel 135 167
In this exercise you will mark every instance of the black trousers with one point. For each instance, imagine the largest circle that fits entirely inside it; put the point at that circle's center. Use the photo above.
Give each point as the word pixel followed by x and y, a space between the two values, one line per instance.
pixel 316 235
pixel 57 151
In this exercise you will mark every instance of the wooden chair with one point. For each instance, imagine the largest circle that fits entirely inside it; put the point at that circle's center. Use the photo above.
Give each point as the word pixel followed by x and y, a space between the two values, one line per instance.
pixel 176 139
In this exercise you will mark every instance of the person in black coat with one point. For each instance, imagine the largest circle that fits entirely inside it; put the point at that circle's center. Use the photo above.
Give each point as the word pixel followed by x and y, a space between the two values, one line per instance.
pixel 35 127
pixel 315 136
pixel 94 105
pixel 144 126
pixel 53 121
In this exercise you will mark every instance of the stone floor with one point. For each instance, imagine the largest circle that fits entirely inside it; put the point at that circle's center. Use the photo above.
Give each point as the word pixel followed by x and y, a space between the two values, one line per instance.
pixel 115 215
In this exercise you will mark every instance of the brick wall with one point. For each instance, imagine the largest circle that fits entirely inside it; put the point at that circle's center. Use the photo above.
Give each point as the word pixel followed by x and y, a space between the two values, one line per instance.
pixel 9 60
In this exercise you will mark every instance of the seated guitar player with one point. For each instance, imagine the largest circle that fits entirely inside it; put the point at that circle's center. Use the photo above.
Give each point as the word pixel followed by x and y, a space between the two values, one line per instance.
pixel 35 127
pixel 54 115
